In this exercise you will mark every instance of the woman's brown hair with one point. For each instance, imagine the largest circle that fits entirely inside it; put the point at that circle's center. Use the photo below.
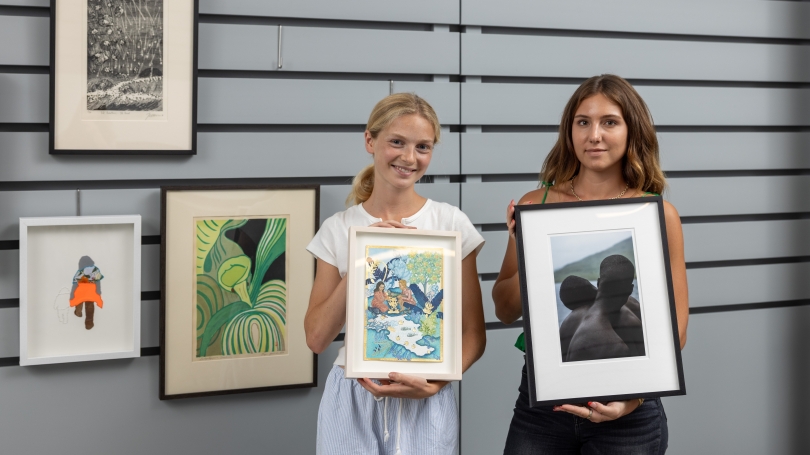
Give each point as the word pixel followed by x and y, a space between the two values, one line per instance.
pixel 641 167
pixel 386 111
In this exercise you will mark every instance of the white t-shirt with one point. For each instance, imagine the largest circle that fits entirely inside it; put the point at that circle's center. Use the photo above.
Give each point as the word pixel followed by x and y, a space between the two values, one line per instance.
pixel 331 243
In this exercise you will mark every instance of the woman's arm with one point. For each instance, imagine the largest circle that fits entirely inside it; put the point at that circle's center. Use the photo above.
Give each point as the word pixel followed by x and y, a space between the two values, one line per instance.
pixel 473 342
pixel 326 313
pixel 678 267
pixel 506 291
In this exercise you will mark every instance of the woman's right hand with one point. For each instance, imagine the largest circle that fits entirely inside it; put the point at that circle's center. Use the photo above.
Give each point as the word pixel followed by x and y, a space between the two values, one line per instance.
pixel 391 224
pixel 510 217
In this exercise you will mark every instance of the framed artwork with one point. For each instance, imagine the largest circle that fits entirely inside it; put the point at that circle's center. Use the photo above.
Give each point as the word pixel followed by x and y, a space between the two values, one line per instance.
pixel 80 289
pixel 123 77
pixel 235 284
pixel 403 303
pixel 598 307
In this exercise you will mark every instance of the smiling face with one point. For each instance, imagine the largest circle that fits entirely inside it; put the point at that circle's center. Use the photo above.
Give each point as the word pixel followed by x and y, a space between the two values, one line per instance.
pixel 402 151
pixel 599 134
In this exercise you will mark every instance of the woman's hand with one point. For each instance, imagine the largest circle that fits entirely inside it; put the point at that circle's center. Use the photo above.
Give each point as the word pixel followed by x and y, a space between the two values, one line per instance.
pixel 391 224
pixel 400 385
pixel 510 217
pixel 598 412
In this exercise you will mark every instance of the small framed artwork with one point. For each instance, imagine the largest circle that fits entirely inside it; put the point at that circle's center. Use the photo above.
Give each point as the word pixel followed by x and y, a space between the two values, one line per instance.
pixel 235 284
pixel 598 306
pixel 80 289
pixel 403 303
pixel 123 77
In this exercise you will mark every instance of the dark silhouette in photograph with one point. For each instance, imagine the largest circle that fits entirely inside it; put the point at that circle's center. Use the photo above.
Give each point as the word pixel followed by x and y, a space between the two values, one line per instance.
pixel 608 325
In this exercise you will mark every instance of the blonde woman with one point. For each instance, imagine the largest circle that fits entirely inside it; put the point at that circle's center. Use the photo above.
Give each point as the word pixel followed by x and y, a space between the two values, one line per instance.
pixel 355 416
pixel 606 149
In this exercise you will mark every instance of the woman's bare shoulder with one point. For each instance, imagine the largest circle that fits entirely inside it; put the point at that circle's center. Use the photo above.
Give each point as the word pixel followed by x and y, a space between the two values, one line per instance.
pixel 533 197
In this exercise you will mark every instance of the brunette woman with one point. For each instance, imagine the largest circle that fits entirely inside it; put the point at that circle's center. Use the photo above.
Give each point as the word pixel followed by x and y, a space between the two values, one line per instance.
pixel 606 149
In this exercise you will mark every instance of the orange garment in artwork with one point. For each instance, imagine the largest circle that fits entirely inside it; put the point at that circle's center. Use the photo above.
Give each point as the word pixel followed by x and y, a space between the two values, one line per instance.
pixel 86 292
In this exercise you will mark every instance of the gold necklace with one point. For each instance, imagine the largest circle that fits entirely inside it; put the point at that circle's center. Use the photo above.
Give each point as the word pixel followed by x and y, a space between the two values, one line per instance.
pixel 626 186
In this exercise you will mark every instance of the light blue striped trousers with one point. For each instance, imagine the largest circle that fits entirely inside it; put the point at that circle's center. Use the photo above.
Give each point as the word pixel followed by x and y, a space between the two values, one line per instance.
pixel 351 421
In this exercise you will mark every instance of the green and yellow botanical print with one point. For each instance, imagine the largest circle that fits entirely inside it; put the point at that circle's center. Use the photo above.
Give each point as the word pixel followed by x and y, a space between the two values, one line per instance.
pixel 241 307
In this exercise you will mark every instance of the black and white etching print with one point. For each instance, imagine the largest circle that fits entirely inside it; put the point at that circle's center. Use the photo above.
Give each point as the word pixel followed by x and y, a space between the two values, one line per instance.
pixel 125 55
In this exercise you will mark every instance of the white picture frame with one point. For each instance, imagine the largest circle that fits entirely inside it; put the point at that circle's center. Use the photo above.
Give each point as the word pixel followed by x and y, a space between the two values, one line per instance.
pixel 578 259
pixel 54 251
pixel 422 338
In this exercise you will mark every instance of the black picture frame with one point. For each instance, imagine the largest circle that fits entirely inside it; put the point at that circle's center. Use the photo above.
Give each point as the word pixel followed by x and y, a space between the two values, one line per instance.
pixel 124 152
pixel 164 191
pixel 595 367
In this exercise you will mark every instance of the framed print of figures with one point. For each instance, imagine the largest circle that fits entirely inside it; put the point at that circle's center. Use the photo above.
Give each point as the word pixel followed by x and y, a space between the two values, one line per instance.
pixel 80 289
pixel 123 77
pixel 403 303
pixel 235 284
pixel 598 306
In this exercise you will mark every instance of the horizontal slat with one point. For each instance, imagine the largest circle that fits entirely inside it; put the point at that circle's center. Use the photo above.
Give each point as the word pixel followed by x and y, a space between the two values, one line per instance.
pixel 550 56
pixel 333 197
pixel 491 256
pixel 316 49
pixel 774 19
pixel 293 101
pixel 419 11
pixel 25 98
pixel 486 202
pixel 26 40
pixel 759 355
pixel 704 242
pixel 533 104
pixel 39 3
pixel 748 284
pixel 10 328
pixel 707 286
pixel 522 153
pixel 489 393
pixel 10 271
pixel 219 155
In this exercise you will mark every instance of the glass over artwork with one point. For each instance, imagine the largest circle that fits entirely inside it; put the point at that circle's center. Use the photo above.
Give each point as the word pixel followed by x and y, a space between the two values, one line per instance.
pixel 598 306
pixel 404 295
pixel 241 287
pixel 125 55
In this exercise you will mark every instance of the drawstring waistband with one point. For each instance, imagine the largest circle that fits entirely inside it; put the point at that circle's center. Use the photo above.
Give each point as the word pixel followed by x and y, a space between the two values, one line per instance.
pixel 385 420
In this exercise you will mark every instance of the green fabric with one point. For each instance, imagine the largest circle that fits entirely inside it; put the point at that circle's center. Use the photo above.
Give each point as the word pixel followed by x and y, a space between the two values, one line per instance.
pixel 521 342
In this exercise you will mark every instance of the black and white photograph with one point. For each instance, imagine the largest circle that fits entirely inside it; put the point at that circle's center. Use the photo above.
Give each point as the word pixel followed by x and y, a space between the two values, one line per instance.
pixel 125 55
pixel 598 305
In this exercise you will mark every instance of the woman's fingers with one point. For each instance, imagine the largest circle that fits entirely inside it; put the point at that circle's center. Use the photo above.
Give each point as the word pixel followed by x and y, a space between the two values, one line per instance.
pixel 391 224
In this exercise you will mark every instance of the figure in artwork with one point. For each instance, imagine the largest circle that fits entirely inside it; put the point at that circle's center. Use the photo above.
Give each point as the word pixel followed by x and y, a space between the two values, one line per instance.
pixel 241 287
pixel 86 290
pixel 62 305
pixel 125 55
pixel 600 314
pixel 404 310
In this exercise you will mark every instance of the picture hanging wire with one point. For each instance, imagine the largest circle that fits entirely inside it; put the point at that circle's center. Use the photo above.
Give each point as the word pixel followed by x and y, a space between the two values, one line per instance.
pixel 280 58
pixel 78 202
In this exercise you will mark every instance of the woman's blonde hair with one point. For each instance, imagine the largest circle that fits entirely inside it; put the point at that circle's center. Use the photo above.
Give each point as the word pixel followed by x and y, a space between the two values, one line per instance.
pixel 641 165
pixel 386 111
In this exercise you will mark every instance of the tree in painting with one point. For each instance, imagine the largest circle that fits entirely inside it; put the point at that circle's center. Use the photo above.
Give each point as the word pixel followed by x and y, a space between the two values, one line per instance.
pixel 125 55
pixel 241 306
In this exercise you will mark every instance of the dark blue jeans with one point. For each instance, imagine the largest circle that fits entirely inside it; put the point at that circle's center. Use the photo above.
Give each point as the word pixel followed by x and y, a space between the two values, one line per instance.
pixel 540 430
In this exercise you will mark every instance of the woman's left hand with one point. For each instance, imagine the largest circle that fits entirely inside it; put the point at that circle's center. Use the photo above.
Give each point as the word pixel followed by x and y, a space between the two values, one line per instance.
pixel 401 385
pixel 597 412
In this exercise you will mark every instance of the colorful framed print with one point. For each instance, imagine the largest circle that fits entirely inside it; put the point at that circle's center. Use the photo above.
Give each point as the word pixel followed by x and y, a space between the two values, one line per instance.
pixel 235 284
pixel 403 304
pixel 123 77
pixel 80 289
pixel 598 306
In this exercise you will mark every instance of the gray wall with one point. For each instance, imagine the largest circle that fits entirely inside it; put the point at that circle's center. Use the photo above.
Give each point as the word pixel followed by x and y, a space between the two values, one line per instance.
pixel 727 83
